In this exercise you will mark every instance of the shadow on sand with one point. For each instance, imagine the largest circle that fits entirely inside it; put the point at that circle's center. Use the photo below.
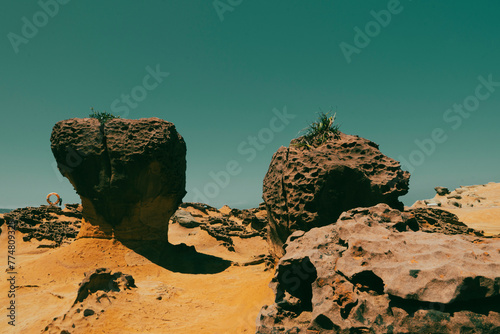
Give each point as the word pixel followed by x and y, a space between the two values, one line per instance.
pixel 179 258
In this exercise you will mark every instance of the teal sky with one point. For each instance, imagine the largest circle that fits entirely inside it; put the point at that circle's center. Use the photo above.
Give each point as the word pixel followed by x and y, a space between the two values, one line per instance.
pixel 231 66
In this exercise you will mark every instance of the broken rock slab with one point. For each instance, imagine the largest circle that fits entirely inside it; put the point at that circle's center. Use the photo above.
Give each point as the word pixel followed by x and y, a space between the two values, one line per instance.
pixel 376 271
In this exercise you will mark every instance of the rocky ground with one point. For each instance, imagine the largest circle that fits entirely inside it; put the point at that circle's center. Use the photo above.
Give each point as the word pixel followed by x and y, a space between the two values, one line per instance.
pixel 216 277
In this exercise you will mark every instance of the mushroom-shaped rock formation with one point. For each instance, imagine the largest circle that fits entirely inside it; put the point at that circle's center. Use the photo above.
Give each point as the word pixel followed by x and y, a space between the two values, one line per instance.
pixel 308 186
pixel 130 174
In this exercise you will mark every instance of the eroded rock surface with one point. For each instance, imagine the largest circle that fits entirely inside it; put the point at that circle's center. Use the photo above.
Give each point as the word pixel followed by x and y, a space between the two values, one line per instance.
pixel 130 174
pixel 222 224
pixel 102 279
pixel 376 271
pixel 46 223
pixel 98 291
pixel 308 187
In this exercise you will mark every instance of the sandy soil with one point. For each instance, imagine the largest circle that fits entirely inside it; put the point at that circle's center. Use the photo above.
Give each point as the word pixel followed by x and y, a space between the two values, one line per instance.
pixel 166 300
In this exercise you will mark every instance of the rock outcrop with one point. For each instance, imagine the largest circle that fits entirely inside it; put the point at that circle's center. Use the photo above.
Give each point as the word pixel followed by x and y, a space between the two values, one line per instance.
pixel 46 223
pixel 224 224
pixel 463 197
pixel 308 187
pixel 376 271
pixel 130 174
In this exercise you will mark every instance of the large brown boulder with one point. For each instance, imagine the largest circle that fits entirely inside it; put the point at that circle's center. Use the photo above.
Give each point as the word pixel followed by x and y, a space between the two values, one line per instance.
pixel 130 174
pixel 376 271
pixel 308 187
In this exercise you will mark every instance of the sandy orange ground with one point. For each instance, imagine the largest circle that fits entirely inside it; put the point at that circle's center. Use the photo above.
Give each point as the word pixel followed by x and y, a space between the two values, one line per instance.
pixel 224 302
pixel 484 219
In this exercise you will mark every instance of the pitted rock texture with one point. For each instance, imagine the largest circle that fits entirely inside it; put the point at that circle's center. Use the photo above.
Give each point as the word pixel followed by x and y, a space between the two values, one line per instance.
pixel 362 275
pixel 46 223
pixel 102 279
pixel 464 197
pixel 130 174
pixel 308 187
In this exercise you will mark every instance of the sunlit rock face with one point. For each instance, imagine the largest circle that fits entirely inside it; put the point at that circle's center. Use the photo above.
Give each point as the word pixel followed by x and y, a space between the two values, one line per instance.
pixel 308 187
pixel 380 270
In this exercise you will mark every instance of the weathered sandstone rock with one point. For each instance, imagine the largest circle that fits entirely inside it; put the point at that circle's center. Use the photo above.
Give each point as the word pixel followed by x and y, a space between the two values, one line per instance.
pixel 369 274
pixel 130 174
pixel 308 187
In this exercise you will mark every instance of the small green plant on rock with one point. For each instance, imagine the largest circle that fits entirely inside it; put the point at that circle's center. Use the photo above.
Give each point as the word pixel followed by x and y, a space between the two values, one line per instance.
pixel 319 132
pixel 102 116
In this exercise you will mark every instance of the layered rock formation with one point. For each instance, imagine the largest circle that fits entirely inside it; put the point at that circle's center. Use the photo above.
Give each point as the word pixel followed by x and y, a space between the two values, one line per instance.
pixel 478 206
pixel 376 271
pixel 435 220
pixel 308 187
pixel 130 174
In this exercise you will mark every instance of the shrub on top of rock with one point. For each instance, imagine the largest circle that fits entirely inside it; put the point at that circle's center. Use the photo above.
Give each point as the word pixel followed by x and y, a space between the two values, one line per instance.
pixel 102 116
pixel 317 133
pixel 322 174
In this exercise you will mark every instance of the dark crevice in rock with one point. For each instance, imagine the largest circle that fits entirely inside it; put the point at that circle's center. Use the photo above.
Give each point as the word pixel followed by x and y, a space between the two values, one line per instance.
pixel 284 190
pixel 296 279
pixel 475 287
pixel 479 306
pixel 324 322
pixel 368 281
pixel 343 243
pixel 346 310
pixel 105 180
pixel 411 224
pixel 106 159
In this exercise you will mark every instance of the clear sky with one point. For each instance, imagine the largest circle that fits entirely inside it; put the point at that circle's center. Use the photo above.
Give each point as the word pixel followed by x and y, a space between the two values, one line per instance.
pixel 240 78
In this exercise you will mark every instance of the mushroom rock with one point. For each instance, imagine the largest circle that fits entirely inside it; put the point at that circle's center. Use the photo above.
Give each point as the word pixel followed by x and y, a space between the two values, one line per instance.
pixel 129 174
pixel 308 186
